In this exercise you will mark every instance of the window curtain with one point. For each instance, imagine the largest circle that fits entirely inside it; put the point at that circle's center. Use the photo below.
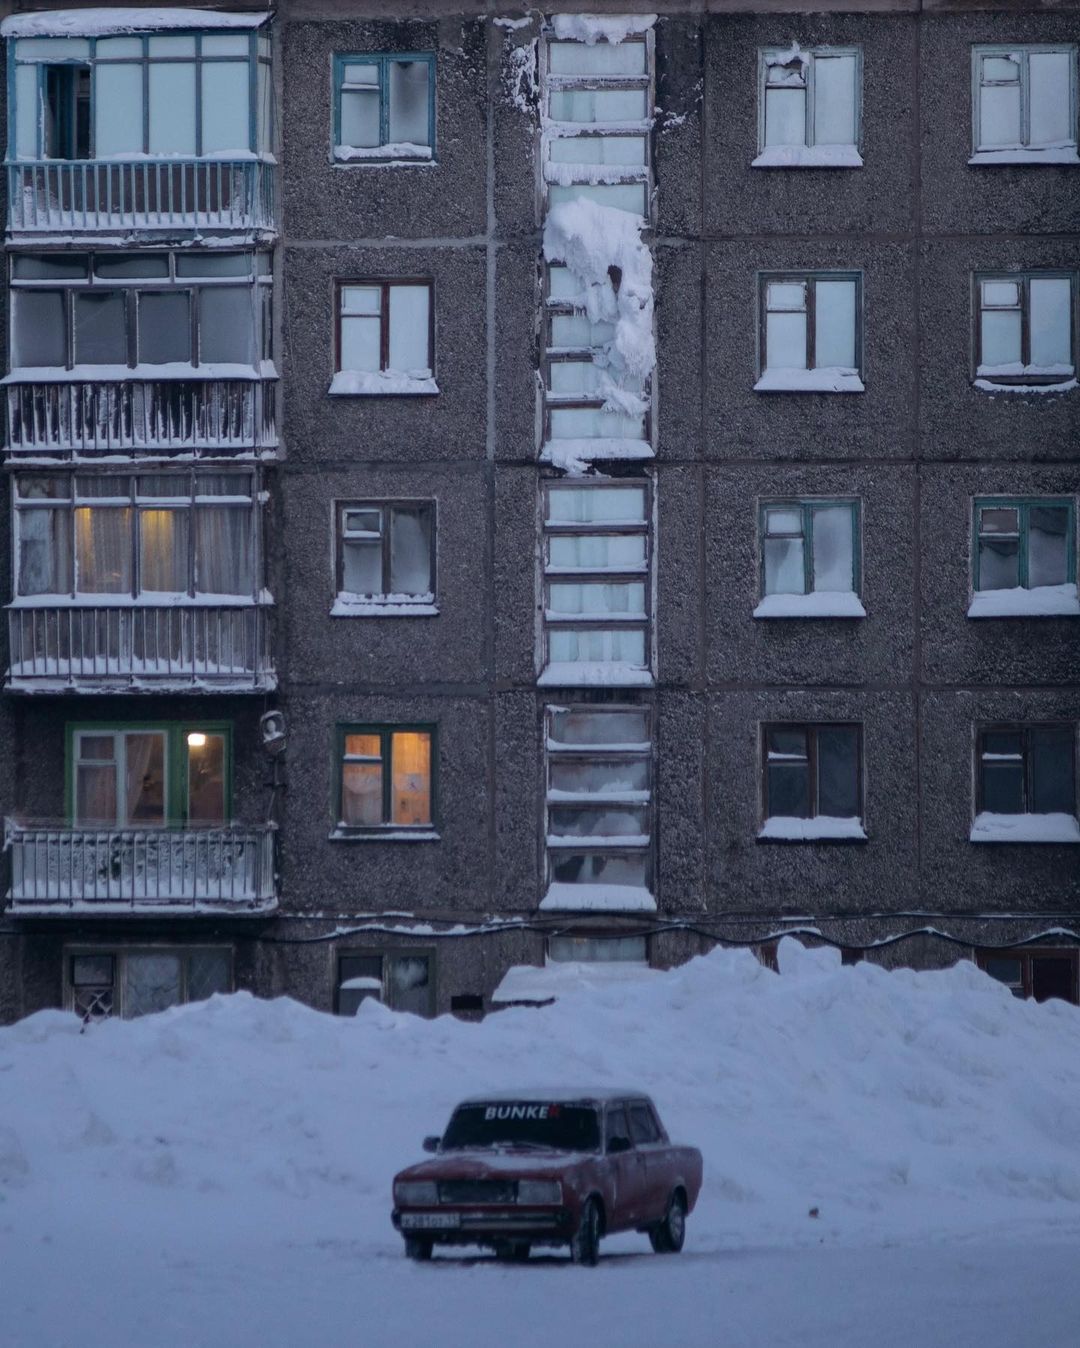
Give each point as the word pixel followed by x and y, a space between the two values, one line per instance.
pixel 103 550
pixel 224 550
pixel 411 762
pixel 163 551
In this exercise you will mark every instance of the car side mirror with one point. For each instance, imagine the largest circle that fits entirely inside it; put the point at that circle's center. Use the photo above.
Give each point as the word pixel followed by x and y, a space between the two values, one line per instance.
pixel 432 1143
pixel 618 1144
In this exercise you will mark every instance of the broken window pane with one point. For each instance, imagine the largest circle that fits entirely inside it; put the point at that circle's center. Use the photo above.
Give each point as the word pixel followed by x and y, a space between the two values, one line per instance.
pixel 1048 558
pixel 164 327
pixel 410 550
pixel 38 328
pixel 834 324
pixel 408 96
pixel 1051 116
pixel 834 547
pixel 834 100
pixel 409 328
pixel 1051 321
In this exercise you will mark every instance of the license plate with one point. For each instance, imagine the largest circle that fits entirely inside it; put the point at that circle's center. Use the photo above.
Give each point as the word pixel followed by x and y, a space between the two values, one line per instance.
pixel 429 1221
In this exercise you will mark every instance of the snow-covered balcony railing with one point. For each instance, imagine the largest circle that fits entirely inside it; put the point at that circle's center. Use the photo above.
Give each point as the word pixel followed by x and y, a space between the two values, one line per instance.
pixel 72 418
pixel 55 868
pixel 189 648
pixel 51 196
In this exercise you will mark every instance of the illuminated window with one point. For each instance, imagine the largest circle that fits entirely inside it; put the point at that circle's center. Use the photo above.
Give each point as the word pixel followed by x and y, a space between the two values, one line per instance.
pixel 386 780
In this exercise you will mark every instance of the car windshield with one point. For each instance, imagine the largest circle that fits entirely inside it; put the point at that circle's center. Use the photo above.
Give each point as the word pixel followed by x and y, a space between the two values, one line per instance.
pixel 526 1123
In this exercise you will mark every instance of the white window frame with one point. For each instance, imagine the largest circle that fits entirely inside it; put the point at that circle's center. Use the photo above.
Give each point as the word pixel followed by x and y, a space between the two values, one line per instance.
pixel 1023 152
pixel 809 154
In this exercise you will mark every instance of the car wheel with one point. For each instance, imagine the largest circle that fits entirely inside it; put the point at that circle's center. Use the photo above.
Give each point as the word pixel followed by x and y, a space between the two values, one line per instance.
pixel 417 1247
pixel 668 1235
pixel 585 1246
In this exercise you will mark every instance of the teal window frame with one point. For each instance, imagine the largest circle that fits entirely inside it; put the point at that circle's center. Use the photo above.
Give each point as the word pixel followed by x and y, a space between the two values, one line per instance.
pixel 807 505
pixel 810 88
pixel 258 56
pixel 385 731
pixel 382 60
pixel 1022 504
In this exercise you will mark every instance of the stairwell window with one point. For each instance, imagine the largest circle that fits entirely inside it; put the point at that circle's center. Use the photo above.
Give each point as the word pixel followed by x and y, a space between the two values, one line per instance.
pixel 1024 104
pixel 808 107
pixel 810 333
pixel 1025 784
pixel 1025 334
pixel 384 108
pixel 385 338
pixel 386 786
pixel 810 559
pixel 812 783
pixel 1024 558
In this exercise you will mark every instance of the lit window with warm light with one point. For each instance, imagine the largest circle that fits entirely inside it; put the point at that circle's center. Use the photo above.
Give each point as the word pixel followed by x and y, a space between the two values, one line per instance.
pixel 385 781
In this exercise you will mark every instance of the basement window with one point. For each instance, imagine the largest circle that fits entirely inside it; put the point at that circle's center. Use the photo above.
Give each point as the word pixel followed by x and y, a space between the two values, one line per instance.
pixel 131 983
pixel 402 979
pixel 1039 974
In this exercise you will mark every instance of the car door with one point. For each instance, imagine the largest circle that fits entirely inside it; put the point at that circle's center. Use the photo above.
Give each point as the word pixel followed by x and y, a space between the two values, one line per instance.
pixel 652 1152
pixel 625 1167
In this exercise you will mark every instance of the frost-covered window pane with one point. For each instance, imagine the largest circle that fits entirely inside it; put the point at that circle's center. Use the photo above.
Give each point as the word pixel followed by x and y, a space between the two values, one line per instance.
pixel 172 108
pixel 26 112
pixel 44 551
pixel 575 777
pixel 630 197
pixel 834 100
pixel 226 325
pixel 834 324
pixel 410 327
pixel 838 771
pixel 410 550
pixel 590 423
pixel 999 115
pixel 209 971
pixel 597 821
pixel 1051 321
pixel 1053 771
pixel 361 567
pixel 408 98
pixel 591 728
pixel 833 548
pixel 596 505
pixel 597 646
pixel 100 328
pixel 575 331
pixel 118 110
pixel 411 777
pixel 224 550
pixel 598 868
pixel 361 794
pixel 603 149
pixel 150 983
pixel 163 550
pixel 598 105
pixel 38 328
pixel 408 983
pixel 784 566
pixel 598 58
pixel 596 949
pixel 164 327
pixel 225 107
pixel 1001 334
pixel 1048 534
pixel 361 331
pixel 103 550
pixel 597 552
pixel 785 116
pixel 588 600
pixel 785 341
pixel 1051 117
pixel 360 105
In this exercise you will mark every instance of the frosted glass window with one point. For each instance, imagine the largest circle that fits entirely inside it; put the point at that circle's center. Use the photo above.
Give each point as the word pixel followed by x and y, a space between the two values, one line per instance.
pixel 569 599
pixel 630 197
pixel 409 327
pixel 171 46
pixel 597 646
pixel 118 110
pixel 410 550
pixel 38 328
pixel 834 100
pixel 110 47
pixel 999 116
pixel 589 505
pixel 598 58
pixel 53 48
pixel 408 100
pixel 26 112
pixel 811 99
pixel 386 549
pixel 43 547
pixel 1040 348
pixel 575 332
pixel 587 423
pixel 360 106
pixel 384 100
pixel 225 107
pixel 598 105
pixel 1052 118
pixel 164 327
pixel 785 116
pixel 833 548
pixel 100 328
pixel 151 983
pixel 1025 98
pixel 834 324
pixel 809 546
pixel 172 108
pixel 618 150
pixel 785 341
pixel 597 552
pixel 225 44
pixel 1051 321
pixel 226 325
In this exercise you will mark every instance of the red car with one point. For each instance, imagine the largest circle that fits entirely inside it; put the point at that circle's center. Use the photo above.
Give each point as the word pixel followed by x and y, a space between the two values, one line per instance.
pixel 548 1168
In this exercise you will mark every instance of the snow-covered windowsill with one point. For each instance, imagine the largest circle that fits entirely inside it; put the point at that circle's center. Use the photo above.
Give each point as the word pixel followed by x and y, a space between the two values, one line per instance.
pixel 818 604
pixel 1049 154
pixel 384 606
pixel 597 898
pixel 382 383
pixel 343 833
pixel 574 456
pixel 831 379
pixel 821 828
pixel 397 154
pixel 809 156
pixel 1010 377
pixel 582 674
pixel 1025 828
pixel 1042 601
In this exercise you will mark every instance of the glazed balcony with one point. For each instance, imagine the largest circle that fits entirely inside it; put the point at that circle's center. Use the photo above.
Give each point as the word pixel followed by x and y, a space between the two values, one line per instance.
pixel 58 870
pixel 63 420
pixel 196 648
pixel 84 198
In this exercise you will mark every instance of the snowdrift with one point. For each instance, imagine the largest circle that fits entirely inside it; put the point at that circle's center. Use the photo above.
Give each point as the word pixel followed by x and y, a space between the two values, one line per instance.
pixel 899 1105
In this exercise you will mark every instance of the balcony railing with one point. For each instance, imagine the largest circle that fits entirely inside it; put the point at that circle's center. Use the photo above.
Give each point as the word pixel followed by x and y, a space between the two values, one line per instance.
pixel 56 868
pixel 183 649
pixel 54 196
pixel 68 419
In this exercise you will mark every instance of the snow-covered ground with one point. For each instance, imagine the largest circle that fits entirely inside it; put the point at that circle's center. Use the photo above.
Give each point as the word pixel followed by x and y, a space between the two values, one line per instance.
pixel 220 1174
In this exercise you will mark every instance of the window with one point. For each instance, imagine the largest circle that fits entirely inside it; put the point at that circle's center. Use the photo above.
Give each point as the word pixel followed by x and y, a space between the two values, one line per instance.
pixel 385 558
pixel 385 338
pixel 403 979
pixel 643 1126
pixel 131 310
pixel 808 109
pixel 130 983
pixel 1025 784
pixel 599 809
pixel 579 949
pixel 150 776
pixel 168 536
pixel 1024 330
pixel 1039 974
pixel 384 108
pixel 810 334
pixel 1024 105
pixel 597 589
pixel 812 782
pixel 386 781
pixel 1024 558
pixel 809 560
pixel 166 95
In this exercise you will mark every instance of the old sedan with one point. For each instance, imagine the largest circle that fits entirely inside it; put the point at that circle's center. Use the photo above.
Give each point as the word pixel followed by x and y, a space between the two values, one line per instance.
pixel 548 1168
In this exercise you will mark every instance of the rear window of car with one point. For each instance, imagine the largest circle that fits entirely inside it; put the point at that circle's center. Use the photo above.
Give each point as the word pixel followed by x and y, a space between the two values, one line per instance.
pixel 642 1124
pixel 524 1123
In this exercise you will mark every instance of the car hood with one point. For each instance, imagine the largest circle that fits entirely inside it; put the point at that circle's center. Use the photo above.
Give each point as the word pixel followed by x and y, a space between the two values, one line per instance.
pixel 486 1163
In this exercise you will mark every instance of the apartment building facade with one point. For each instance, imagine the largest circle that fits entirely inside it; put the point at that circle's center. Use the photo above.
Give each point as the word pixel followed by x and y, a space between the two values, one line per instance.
pixel 494 492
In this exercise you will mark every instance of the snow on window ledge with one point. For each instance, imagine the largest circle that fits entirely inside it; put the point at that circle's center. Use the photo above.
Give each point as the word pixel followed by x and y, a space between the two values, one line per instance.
pixel 103 374
pixel 822 827
pixel 991 386
pixel 1025 828
pixel 597 898
pixel 830 379
pixel 809 156
pixel 393 154
pixel 593 28
pixel 575 456
pixel 1048 154
pixel 384 606
pixel 583 674
pixel 1041 601
pixel 818 604
pixel 343 833
pixel 382 383
pixel 530 985
pixel 102 22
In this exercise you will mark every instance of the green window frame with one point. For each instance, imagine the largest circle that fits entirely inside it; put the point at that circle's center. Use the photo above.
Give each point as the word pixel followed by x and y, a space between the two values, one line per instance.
pixel 379 752
pixel 807 508
pixel 987 532
pixel 381 64
pixel 177 763
pixel 987 75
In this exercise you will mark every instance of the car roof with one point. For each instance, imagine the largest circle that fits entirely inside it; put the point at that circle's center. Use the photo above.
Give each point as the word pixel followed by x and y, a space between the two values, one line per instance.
pixel 557 1094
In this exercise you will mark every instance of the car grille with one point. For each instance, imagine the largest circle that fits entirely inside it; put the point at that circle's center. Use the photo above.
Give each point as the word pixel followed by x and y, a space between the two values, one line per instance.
pixel 477 1191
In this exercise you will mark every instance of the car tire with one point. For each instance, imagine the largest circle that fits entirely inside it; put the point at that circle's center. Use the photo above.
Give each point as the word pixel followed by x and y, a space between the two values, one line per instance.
pixel 418 1247
pixel 669 1234
pixel 585 1246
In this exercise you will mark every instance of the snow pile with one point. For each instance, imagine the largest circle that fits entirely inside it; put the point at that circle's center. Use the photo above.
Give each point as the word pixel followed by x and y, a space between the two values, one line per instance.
pixel 593 28
pixel 103 22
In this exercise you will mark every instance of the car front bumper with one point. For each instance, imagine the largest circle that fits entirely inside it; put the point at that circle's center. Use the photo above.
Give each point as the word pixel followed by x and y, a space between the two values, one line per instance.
pixel 472 1225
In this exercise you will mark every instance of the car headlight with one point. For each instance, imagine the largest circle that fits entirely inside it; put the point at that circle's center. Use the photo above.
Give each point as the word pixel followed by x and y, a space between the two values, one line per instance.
pixel 416 1191
pixel 539 1191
